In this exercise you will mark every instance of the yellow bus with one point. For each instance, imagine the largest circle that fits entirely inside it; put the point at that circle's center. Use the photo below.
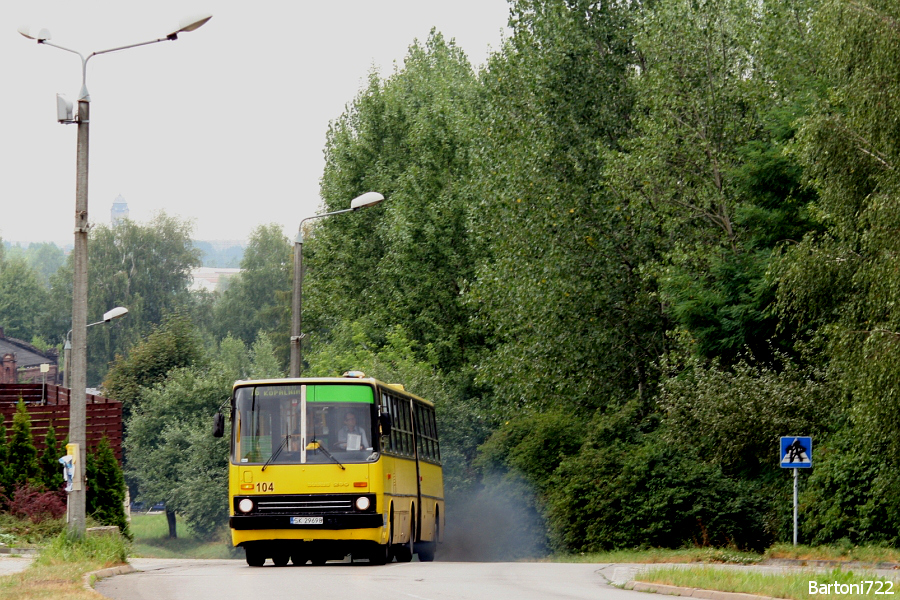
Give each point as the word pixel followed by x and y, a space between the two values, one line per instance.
pixel 322 468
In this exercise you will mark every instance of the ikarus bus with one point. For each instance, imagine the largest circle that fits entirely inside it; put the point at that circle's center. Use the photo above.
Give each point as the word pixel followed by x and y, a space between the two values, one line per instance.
pixel 322 468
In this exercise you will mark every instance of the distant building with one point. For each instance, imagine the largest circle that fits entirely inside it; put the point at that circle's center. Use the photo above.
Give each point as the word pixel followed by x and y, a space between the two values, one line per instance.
pixel 209 278
pixel 119 211
pixel 20 362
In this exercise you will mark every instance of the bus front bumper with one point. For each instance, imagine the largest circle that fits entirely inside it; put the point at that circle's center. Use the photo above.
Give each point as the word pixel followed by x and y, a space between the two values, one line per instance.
pixel 329 521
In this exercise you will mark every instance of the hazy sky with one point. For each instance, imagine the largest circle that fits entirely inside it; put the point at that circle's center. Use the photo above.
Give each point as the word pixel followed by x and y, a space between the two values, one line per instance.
pixel 225 126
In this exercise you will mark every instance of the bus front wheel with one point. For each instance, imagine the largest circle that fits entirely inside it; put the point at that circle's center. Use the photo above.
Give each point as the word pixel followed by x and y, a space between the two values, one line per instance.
pixel 404 552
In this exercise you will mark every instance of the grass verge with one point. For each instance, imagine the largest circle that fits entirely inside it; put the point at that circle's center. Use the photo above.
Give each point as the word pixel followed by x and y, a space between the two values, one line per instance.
pixel 788 585
pixel 58 570
pixel 848 553
pixel 862 554
pixel 151 540
pixel 662 555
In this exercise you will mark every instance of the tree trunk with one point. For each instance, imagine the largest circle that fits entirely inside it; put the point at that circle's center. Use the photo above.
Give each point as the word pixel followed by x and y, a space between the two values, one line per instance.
pixel 170 517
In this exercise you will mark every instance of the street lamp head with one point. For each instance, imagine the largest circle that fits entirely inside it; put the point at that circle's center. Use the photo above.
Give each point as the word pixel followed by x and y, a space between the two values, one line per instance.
pixel 41 35
pixel 114 313
pixel 190 24
pixel 367 199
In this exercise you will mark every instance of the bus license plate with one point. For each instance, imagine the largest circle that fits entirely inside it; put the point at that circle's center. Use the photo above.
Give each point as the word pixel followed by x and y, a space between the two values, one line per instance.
pixel 306 521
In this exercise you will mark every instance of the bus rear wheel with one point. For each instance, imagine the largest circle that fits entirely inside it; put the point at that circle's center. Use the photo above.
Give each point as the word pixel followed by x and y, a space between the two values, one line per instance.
pixel 426 550
pixel 255 558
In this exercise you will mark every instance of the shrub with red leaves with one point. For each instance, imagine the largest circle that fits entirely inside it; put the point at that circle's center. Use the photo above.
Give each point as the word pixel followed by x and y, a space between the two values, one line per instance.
pixel 36 504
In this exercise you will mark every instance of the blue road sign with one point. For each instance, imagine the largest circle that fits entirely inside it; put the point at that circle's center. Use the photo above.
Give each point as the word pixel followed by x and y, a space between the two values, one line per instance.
pixel 796 452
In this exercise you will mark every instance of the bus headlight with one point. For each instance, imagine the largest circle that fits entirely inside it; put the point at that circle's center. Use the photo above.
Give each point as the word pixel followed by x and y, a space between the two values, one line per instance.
pixel 245 505
pixel 362 503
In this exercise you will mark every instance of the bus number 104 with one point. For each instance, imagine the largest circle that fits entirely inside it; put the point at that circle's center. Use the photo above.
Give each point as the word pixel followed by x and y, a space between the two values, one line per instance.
pixel 265 487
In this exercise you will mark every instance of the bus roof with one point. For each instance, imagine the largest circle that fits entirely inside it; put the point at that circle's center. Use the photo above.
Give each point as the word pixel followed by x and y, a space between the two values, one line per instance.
pixel 396 387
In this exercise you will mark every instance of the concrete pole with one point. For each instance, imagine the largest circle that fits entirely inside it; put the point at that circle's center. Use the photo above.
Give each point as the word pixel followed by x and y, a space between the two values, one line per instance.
pixel 297 305
pixel 77 396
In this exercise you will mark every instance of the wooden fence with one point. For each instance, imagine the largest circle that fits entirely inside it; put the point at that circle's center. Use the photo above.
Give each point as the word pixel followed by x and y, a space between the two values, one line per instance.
pixel 49 405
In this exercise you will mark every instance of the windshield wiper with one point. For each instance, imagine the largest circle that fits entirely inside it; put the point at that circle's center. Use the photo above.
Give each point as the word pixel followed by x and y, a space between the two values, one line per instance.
pixel 327 453
pixel 277 452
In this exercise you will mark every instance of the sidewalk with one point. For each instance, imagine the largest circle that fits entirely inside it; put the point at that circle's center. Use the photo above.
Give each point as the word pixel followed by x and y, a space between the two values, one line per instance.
pixel 13 564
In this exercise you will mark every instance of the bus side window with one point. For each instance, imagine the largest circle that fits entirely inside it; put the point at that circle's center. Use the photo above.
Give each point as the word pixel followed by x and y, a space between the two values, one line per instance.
pixel 386 409
pixel 437 443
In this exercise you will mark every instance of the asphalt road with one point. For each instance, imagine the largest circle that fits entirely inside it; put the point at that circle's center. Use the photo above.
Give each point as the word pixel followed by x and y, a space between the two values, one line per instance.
pixel 231 579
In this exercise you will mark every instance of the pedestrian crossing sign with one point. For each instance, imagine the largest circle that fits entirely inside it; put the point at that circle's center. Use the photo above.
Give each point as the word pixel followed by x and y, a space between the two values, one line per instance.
pixel 796 452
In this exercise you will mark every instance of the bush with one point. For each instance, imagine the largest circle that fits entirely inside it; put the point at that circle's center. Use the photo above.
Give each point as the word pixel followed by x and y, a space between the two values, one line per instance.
pixel 650 495
pixel 106 488
pixel 37 504
pixel 851 495
pixel 24 532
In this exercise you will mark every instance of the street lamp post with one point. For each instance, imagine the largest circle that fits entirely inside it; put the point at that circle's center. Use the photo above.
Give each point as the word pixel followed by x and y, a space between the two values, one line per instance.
pixel 367 199
pixel 115 313
pixel 78 398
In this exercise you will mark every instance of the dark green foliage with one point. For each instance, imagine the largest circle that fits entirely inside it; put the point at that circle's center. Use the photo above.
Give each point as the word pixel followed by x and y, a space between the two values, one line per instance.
pixel 23 460
pixel 650 494
pixel 174 344
pixel 143 267
pixel 850 497
pixel 51 470
pixel 533 445
pixel 106 488
pixel 408 136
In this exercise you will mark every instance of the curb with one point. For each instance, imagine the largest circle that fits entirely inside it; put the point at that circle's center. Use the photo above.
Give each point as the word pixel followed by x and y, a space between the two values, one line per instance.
pixel 90 579
pixel 674 590
pixel 19 551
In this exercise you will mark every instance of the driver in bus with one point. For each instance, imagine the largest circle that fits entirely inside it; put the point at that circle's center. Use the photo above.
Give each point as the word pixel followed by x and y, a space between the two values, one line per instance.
pixel 349 431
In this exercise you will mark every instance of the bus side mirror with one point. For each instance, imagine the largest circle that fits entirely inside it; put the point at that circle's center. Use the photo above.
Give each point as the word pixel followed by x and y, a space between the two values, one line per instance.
pixel 386 424
pixel 218 425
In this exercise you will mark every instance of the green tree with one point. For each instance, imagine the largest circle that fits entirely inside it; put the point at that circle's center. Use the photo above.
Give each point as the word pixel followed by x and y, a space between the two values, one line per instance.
pixel 172 457
pixel 51 469
pixel 22 456
pixel 570 318
pixel 46 259
pixel 106 488
pixel 706 163
pixel 22 299
pixel 143 267
pixel 841 284
pixel 259 298
pixel 408 136
pixel 174 344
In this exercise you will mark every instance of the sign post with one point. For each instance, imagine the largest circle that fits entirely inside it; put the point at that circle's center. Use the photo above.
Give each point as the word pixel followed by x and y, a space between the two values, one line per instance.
pixel 796 453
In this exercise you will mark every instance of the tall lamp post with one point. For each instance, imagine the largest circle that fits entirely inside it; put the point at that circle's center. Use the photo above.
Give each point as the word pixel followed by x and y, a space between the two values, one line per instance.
pixel 367 199
pixel 78 398
pixel 115 313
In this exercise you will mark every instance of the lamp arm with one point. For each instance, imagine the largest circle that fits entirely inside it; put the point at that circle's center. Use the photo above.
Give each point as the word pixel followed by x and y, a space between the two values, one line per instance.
pixel 84 61
pixel 299 239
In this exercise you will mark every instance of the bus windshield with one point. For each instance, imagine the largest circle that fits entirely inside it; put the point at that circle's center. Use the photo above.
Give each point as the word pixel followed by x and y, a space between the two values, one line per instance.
pixel 301 424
